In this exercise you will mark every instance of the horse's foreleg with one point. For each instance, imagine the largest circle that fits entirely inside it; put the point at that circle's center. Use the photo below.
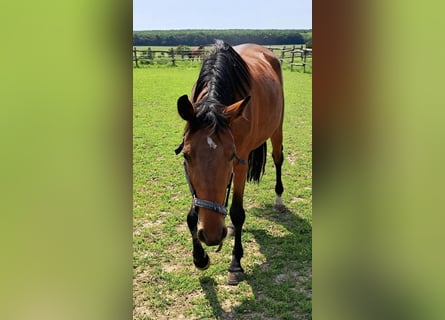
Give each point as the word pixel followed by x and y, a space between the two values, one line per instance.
pixel 237 215
pixel 200 257
pixel 278 158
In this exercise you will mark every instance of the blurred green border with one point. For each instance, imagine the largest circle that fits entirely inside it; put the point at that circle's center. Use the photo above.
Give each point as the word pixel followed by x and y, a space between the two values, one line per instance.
pixel 65 124
pixel 65 132
pixel 378 160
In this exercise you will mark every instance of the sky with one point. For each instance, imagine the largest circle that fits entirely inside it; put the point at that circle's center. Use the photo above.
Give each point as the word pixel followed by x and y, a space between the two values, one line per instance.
pixel 221 14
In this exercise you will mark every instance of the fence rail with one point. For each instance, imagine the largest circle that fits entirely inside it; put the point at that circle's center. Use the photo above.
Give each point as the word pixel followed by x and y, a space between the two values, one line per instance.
pixel 172 55
pixel 294 56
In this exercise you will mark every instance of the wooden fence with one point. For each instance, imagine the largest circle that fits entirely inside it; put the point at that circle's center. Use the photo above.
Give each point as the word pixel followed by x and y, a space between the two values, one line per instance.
pixel 294 56
pixel 172 55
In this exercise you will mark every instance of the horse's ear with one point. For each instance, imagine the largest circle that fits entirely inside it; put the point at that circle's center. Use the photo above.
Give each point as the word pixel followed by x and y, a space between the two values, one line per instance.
pixel 185 108
pixel 235 110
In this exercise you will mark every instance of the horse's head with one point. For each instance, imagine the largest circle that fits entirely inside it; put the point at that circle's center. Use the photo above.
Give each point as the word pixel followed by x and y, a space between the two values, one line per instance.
pixel 209 152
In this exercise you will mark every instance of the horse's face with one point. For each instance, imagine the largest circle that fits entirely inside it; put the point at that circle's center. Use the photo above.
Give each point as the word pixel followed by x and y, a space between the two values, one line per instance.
pixel 209 162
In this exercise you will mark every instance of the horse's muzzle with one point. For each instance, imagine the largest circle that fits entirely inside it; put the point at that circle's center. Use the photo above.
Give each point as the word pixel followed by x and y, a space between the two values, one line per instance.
pixel 212 239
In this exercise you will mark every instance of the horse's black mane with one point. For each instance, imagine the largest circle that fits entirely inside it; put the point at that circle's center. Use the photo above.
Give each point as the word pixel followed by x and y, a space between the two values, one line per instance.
pixel 227 79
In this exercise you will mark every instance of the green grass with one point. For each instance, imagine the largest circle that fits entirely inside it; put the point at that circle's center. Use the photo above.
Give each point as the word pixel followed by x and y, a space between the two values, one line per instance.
pixel 277 245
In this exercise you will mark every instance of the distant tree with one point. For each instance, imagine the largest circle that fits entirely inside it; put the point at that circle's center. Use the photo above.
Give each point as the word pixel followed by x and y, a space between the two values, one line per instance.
pixel 206 37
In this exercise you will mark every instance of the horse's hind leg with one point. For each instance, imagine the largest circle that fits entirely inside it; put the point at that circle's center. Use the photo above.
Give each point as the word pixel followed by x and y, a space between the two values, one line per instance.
pixel 277 155
pixel 200 257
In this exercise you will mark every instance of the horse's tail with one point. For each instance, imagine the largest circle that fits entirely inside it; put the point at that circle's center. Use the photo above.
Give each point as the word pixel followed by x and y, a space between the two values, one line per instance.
pixel 257 163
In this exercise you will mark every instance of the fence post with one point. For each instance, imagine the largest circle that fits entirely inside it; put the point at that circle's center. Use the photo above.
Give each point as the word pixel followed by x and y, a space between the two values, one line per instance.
pixel 304 60
pixel 292 59
pixel 149 54
pixel 135 56
pixel 172 53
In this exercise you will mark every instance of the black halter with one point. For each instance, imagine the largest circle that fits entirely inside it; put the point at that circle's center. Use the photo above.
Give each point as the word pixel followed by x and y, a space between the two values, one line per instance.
pixel 222 209
pixel 206 203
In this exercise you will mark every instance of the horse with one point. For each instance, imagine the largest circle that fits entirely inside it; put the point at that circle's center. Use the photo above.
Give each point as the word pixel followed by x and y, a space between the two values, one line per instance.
pixel 236 105
pixel 196 53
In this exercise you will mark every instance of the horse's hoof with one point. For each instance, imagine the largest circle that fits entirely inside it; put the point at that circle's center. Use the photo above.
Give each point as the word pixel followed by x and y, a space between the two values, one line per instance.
pixel 235 278
pixel 204 264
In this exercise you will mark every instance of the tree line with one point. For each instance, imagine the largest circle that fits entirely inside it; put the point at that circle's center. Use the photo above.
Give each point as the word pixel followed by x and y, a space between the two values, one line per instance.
pixel 233 37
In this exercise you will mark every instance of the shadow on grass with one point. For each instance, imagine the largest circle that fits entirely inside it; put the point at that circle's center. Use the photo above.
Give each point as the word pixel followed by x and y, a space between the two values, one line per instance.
pixel 208 286
pixel 282 285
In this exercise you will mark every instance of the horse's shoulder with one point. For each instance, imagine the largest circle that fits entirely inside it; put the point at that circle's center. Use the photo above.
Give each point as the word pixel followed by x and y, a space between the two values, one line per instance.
pixel 252 52
pixel 272 59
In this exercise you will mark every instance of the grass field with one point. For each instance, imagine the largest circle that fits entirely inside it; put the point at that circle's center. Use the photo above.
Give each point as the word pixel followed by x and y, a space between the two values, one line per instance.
pixel 277 245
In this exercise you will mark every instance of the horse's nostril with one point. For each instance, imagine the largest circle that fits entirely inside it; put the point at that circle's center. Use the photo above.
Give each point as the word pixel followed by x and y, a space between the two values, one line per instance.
pixel 212 239
pixel 202 235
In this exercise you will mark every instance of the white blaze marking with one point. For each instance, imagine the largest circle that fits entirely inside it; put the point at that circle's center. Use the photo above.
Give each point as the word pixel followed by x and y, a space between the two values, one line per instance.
pixel 211 143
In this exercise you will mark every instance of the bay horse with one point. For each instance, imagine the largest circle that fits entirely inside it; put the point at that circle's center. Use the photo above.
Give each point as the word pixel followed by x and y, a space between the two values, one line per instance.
pixel 196 53
pixel 236 105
